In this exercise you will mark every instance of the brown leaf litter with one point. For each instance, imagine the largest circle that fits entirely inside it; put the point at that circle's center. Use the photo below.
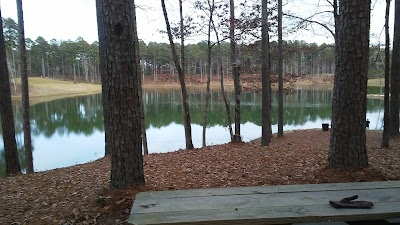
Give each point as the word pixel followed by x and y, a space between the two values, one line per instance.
pixel 79 194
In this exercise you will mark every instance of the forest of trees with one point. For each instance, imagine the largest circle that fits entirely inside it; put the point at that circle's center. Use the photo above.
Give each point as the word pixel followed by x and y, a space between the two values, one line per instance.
pixel 79 60
pixel 119 60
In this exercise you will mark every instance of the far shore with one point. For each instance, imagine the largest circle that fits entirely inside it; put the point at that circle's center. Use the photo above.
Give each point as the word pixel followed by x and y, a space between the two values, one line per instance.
pixel 47 89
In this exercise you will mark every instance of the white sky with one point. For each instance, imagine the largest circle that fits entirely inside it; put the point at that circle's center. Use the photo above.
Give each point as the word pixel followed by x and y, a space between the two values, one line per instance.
pixel 69 19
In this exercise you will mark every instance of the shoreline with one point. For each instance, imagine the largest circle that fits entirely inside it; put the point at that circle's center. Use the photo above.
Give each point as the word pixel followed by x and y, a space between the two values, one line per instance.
pixel 47 89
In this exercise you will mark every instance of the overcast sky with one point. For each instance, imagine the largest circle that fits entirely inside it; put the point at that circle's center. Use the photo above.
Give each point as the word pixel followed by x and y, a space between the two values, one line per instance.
pixel 69 19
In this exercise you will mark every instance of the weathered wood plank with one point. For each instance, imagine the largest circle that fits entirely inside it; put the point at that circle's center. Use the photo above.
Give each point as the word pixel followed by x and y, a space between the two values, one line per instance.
pixel 323 223
pixel 393 220
pixel 271 189
pixel 265 205
pixel 271 215
pixel 262 200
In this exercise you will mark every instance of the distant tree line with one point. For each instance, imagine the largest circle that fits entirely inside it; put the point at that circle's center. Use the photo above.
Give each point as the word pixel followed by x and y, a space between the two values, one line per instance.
pixel 78 60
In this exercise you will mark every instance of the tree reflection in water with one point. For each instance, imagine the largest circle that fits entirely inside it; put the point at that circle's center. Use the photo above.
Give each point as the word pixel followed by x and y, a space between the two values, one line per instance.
pixel 70 131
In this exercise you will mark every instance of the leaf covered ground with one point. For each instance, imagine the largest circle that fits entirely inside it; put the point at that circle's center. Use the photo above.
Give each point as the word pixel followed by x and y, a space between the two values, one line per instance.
pixel 80 195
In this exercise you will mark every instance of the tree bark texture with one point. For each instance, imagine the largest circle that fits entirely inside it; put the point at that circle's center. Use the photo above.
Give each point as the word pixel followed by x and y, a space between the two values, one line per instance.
pixel 347 148
pixel 395 74
pixel 181 75
pixel 7 117
pixel 143 123
pixel 386 115
pixel 186 111
pixel 183 63
pixel 25 91
pixel 336 18
pixel 119 46
pixel 103 76
pixel 235 71
pixel 280 71
pixel 266 133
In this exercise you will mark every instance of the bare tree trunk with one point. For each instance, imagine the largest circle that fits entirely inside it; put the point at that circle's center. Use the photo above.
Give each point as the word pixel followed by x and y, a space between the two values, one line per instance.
pixel 143 123
pixel 14 71
pixel 118 45
pixel 226 102
pixel 47 64
pixel 266 133
pixel 336 18
pixel 235 72
pixel 142 118
pixel 201 71
pixel 347 149
pixel 62 66
pixel 6 113
pixel 74 73
pixel 142 74
pixel 13 77
pixel 43 69
pixel 79 71
pixel 103 76
pixel 185 103
pixel 280 71
pixel 86 68
pixel 183 63
pixel 221 72
pixel 386 115
pixel 209 48
pixel 395 74
pixel 25 91
pixel 154 71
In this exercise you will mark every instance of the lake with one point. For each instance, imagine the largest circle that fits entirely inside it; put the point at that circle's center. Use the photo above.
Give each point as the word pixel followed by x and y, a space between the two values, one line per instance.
pixel 70 131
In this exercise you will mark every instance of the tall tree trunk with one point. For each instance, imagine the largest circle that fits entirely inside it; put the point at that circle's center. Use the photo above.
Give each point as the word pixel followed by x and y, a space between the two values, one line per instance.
pixel 25 90
pixel 143 123
pixel 118 40
pixel 142 114
pixel 226 102
pixel 103 77
pixel 43 68
pixel 75 72
pixel 395 74
pixel 6 113
pixel 235 71
pixel 347 149
pixel 386 119
pixel 183 63
pixel 280 71
pixel 209 48
pixel 336 19
pixel 185 103
pixel 154 70
pixel 14 71
pixel 266 133
pixel 221 72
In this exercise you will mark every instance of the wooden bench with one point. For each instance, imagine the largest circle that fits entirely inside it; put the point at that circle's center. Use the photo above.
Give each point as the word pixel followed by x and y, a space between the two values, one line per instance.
pixel 283 204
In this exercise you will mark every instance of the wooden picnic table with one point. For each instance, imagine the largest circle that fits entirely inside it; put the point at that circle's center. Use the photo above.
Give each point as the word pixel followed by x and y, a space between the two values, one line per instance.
pixel 281 204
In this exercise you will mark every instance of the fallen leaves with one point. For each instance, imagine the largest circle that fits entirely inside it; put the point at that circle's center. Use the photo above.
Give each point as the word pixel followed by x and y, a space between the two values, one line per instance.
pixel 80 195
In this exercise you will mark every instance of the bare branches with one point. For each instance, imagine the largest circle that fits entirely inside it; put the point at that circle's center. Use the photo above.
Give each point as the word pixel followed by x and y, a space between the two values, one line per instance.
pixel 310 20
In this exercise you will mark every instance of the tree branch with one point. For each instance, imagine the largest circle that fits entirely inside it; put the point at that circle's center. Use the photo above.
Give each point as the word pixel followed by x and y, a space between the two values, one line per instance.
pixel 313 21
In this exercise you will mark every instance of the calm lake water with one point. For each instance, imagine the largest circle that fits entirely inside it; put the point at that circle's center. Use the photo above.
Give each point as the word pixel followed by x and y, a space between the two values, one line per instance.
pixel 70 131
